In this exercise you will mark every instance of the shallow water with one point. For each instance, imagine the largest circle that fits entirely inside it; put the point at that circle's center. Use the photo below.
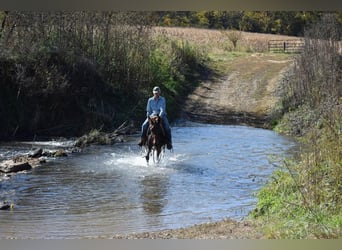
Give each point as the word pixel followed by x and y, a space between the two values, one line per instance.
pixel 212 174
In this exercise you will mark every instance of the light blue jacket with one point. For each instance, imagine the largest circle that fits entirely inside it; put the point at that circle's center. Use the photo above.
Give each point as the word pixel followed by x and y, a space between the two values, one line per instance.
pixel 156 106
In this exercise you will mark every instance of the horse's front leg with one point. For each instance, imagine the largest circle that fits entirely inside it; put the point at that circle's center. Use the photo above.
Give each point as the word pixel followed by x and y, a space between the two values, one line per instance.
pixel 158 152
pixel 147 157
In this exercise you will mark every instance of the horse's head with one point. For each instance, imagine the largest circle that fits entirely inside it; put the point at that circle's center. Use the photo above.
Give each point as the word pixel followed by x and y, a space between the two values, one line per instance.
pixel 154 123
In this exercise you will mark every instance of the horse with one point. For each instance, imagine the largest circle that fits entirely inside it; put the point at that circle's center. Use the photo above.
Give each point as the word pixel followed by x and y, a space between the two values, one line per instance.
pixel 156 138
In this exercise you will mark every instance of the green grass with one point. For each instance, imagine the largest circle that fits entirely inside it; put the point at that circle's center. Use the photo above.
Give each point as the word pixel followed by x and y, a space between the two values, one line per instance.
pixel 303 199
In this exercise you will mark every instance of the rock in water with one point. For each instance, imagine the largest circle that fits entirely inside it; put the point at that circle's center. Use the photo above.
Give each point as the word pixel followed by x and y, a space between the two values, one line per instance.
pixel 6 206
pixel 36 153
pixel 11 166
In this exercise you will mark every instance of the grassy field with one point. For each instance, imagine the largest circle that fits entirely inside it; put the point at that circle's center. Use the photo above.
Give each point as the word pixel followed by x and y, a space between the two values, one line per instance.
pixel 217 41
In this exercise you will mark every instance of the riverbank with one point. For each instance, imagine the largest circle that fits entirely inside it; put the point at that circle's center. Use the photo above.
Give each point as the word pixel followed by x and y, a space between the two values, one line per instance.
pixel 224 229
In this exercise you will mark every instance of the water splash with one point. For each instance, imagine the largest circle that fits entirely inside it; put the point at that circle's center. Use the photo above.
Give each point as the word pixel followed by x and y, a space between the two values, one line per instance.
pixel 135 164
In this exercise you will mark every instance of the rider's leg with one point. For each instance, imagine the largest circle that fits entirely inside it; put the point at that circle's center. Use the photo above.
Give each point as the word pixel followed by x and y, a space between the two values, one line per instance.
pixel 144 127
pixel 168 132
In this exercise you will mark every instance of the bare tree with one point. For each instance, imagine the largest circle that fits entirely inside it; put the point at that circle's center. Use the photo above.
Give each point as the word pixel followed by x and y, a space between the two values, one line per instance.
pixel 233 36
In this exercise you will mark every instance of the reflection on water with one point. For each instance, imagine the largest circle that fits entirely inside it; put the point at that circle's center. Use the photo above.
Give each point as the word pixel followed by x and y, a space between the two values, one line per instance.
pixel 153 194
pixel 212 174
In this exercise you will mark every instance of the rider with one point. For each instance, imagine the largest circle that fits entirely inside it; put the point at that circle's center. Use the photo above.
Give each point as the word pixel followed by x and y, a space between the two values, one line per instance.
pixel 156 105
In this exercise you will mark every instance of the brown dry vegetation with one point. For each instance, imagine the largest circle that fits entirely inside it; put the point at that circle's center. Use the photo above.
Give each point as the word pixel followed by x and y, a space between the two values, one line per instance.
pixel 218 40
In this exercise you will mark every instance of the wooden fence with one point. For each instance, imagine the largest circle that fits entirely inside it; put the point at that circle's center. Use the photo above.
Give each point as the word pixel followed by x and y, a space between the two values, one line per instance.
pixel 286 46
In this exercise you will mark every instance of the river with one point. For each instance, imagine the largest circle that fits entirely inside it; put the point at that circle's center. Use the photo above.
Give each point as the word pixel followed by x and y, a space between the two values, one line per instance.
pixel 213 173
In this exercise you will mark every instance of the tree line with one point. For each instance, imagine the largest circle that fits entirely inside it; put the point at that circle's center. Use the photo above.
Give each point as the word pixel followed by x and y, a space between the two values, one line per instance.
pixel 290 23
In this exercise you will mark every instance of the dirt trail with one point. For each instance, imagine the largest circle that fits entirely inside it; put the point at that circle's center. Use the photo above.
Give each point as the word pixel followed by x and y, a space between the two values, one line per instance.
pixel 245 93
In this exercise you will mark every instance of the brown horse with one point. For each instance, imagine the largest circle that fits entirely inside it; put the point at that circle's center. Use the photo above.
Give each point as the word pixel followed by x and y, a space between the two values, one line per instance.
pixel 156 138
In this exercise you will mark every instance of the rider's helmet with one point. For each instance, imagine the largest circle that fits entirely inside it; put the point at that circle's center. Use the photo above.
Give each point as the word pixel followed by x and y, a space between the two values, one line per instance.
pixel 156 89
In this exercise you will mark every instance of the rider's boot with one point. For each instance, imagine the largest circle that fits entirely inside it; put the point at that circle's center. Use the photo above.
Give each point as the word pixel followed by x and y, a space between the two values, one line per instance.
pixel 142 141
pixel 169 142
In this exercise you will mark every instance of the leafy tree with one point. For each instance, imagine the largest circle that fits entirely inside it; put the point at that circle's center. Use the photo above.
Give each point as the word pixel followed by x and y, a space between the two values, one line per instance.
pixel 276 22
pixel 202 19
pixel 250 22
pixel 214 21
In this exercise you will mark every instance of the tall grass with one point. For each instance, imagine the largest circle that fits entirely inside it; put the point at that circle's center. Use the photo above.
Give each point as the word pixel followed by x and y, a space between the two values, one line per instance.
pixel 66 73
pixel 177 65
pixel 304 198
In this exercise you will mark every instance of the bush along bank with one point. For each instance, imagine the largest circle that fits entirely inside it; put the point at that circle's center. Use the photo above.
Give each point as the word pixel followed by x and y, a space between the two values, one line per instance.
pixel 58 78
pixel 303 199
